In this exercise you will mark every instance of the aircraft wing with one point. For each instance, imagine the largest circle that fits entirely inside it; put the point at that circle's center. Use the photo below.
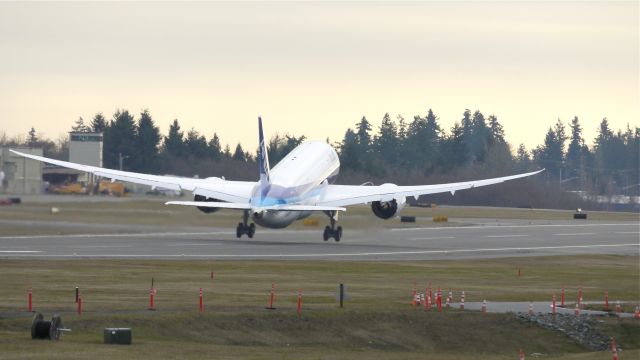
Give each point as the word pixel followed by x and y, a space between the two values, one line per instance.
pixel 232 191
pixel 247 206
pixel 343 195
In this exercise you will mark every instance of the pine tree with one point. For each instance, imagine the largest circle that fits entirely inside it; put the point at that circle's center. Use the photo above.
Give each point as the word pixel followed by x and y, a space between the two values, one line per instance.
pixel 386 143
pixel 120 140
pixel 196 144
pixel 98 124
pixel 147 141
pixel 174 142
pixel 349 151
pixel 215 149
pixel 239 154
pixel 80 126
pixel 32 141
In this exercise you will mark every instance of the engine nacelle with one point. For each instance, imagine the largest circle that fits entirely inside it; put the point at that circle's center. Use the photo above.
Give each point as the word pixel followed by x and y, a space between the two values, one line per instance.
pixel 206 210
pixel 388 209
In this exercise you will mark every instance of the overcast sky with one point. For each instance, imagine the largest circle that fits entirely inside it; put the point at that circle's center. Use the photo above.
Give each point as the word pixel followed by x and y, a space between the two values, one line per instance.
pixel 317 68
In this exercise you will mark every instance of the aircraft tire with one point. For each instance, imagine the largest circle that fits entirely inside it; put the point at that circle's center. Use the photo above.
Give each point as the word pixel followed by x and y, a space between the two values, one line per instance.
pixel 252 230
pixel 239 230
pixel 338 234
pixel 325 235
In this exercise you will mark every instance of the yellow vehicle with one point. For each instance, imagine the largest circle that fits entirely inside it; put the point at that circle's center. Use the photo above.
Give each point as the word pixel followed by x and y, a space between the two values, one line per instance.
pixel 107 187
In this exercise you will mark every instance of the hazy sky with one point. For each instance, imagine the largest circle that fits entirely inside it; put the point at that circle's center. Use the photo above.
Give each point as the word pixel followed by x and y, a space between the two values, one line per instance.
pixel 317 68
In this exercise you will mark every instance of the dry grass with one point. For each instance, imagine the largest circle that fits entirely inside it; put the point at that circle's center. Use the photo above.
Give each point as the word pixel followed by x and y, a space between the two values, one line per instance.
pixel 377 320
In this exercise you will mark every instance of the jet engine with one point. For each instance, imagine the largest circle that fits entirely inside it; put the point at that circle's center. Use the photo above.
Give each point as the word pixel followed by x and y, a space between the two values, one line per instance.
pixel 206 210
pixel 388 209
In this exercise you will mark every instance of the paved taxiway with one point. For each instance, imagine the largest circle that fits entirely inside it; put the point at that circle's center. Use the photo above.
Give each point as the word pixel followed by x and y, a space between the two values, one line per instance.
pixel 483 239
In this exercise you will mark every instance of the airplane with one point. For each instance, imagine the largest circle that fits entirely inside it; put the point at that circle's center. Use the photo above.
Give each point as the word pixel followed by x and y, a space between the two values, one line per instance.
pixel 301 183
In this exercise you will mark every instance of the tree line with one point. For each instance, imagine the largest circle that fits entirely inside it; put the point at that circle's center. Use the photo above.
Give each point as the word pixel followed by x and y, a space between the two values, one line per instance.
pixel 421 149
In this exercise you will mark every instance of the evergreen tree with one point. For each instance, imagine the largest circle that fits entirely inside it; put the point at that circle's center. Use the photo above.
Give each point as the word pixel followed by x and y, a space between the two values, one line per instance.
pixel 456 149
pixel 522 158
pixel 575 159
pixel 80 126
pixel 32 140
pixel 215 149
pixel 227 152
pixel 98 124
pixel 349 151
pixel 239 154
pixel 147 141
pixel 174 142
pixel 480 137
pixel 497 131
pixel 386 144
pixel 120 140
pixel 196 144
pixel 363 132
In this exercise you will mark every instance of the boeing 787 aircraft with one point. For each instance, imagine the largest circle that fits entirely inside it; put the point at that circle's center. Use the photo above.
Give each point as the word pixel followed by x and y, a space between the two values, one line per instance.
pixel 299 184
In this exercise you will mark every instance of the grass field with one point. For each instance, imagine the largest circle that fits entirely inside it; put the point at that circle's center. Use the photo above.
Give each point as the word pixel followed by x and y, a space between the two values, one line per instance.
pixel 153 212
pixel 376 322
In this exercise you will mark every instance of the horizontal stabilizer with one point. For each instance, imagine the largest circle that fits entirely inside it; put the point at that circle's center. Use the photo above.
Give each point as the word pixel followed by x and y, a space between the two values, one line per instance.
pixel 247 206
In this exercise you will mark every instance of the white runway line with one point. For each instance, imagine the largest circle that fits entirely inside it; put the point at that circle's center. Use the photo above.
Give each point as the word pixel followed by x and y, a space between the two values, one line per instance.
pixel 178 245
pixel 505 226
pixel 433 238
pixel 124 235
pixel 417 252
pixel 98 246
pixel 505 236
pixel 627 232
pixel 575 234
pixel 19 251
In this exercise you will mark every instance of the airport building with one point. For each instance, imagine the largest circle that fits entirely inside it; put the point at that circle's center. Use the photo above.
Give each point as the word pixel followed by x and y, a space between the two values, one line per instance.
pixel 20 175
pixel 85 148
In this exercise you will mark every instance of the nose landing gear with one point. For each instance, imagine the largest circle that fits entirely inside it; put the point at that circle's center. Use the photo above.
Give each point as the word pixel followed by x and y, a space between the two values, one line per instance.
pixel 332 231
pixel 244 227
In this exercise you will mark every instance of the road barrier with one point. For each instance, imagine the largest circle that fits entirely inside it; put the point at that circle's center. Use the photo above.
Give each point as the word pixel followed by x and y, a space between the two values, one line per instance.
pixel 272 297
pixel 30 300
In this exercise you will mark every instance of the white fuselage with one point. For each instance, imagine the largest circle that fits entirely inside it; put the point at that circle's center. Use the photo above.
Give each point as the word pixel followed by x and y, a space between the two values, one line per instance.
pixel 299 178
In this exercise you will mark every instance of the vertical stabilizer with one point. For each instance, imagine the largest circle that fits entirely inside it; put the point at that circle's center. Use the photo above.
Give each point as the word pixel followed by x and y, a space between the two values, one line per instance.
pixel 263 157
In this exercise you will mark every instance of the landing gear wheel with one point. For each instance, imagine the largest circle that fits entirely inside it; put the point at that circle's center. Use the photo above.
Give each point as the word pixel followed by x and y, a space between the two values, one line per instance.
pixel 338 234
pixel 327 232
pixel 244 227
pixel 332 231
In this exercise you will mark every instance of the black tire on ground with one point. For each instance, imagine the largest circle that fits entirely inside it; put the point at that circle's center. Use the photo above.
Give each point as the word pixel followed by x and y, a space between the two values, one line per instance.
pixel 338 234
pixel 239 231
pixel 325 235
pixel 252 230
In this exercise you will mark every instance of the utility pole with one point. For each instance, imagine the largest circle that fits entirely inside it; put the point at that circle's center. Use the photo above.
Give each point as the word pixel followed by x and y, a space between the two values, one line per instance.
pixel 120 159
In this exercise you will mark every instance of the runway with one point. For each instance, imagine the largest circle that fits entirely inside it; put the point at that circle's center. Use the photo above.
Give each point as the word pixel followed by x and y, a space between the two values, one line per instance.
pixel 489 239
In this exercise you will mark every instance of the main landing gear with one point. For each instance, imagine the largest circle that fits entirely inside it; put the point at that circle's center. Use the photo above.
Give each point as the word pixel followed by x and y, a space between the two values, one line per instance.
pixel 332 231
pixel 244 227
